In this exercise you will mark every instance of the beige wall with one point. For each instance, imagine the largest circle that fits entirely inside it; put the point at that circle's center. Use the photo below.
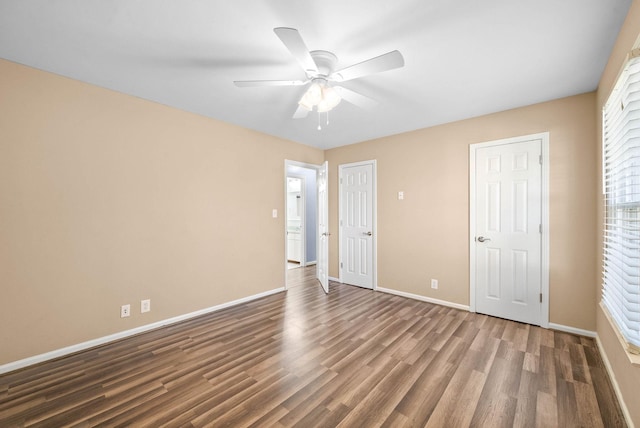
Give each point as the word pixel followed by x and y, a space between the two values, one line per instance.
pixel 426 235
pixel 106 199
pixel 626 375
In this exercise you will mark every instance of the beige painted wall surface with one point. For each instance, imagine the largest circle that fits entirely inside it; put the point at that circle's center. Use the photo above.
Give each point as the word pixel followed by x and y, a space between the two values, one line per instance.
pixel 427 234
pixel 626 375
pixel 106 199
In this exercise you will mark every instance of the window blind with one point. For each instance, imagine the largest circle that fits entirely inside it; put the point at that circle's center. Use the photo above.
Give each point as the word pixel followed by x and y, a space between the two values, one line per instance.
pixel 621 183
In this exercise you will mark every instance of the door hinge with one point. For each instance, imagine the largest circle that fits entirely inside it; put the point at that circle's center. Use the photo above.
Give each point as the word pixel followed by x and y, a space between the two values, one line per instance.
pixel 540 297
pixel 540 228
pixel 341 181
pixel 540 159
pixel 340 265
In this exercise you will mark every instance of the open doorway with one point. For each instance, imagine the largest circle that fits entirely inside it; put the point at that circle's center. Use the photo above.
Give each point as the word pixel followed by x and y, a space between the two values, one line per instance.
pixel 301 216
pixel 296 198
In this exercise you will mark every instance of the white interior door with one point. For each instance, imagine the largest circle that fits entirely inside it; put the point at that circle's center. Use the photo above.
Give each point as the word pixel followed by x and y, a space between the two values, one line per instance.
pixel 508 258
pixel 356 221
pixel 322 268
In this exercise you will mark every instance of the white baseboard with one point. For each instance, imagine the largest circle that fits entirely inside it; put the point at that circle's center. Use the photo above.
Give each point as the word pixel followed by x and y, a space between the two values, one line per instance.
pixel 572 330
pixel 334 279
pixel 310 263
pixel 424 298
pixel 5 368
pixel 614 382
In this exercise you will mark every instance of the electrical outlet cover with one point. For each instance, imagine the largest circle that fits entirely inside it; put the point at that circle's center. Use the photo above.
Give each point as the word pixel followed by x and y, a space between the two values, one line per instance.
pixel 145 306
pixel 125 311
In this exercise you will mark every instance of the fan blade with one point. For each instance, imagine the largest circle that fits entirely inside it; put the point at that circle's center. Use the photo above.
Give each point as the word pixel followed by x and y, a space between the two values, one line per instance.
pixel 293 41
pixel 381 63
pixel 300 113
pixel 355 98
pixel 248 83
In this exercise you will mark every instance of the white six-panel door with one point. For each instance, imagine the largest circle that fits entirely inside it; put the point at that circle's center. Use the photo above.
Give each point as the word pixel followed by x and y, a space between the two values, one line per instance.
pixel 508 188
pixel 322 267
pixel 356 224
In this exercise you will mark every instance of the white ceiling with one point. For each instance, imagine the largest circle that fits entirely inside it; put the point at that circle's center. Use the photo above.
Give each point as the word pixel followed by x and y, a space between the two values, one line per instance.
pixel 463 58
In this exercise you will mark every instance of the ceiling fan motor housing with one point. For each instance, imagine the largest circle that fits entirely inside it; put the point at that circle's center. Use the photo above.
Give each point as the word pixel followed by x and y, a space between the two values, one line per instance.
pixel 325 61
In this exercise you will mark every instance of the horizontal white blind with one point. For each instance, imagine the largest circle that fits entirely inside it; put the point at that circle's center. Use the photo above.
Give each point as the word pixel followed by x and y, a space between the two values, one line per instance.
pixel 621 180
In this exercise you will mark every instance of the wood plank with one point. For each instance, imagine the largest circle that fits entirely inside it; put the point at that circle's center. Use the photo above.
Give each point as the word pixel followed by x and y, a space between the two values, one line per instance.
pixel 546 410
pixel 458 403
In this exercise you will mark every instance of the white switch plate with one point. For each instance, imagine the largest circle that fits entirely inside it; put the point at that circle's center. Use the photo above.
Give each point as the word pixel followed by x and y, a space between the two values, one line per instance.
pixel 400 196
pixel 145 306
pixel 125 311
pixel 274 213
pixel 434 284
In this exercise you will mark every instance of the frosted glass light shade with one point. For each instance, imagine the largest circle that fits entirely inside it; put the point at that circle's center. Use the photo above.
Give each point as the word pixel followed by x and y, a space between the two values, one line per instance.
pixel 330 99
pixel 312 97
pixel 321 95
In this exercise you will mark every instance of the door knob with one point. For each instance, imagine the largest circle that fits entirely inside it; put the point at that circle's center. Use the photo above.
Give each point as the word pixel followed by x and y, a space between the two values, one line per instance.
pixel 367 233
pixel 482 239
pixel 326 234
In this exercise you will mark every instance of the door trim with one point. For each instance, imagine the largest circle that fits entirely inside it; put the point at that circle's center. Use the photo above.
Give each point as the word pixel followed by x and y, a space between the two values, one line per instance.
pixel 374 202
pixel 544 206
pixel 288 163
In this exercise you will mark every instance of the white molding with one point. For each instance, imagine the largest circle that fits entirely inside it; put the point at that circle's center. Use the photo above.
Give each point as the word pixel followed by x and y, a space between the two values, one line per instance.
pixel 5 368
pixel 544 254
pixel 311 263
pixel 546 235
pixel 614 382
pixel 424 298
pixel 572 330
pixel 472 228
pixel 374 201
pixel 544 277
pixel 287 164
pixel 330 278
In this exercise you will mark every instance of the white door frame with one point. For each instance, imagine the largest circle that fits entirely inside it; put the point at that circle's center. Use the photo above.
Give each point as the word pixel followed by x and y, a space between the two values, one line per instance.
pixel 374 201
pixel 303 218
pixel 287 164
pixel 544 205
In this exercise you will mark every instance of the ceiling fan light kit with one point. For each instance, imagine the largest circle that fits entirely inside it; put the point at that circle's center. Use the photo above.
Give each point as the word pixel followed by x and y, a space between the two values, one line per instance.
pixel 319 67
pixel 320 95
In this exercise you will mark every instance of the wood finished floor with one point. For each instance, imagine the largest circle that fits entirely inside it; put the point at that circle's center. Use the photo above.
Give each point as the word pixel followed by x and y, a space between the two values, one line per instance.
pixel 354 358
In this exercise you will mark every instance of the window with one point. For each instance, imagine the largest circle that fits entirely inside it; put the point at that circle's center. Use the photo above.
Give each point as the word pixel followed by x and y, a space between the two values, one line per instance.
pixel 621 182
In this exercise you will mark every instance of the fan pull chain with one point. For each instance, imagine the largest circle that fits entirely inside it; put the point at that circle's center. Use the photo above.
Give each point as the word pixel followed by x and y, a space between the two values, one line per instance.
pixel 320 120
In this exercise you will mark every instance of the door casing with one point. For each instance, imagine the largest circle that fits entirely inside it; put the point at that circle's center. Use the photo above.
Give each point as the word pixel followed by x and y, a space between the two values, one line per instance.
pixel 288 163
pixel 544 206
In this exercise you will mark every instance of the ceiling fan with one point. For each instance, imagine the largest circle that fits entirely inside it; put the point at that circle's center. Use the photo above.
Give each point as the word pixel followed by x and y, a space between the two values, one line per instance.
pixel 324 93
